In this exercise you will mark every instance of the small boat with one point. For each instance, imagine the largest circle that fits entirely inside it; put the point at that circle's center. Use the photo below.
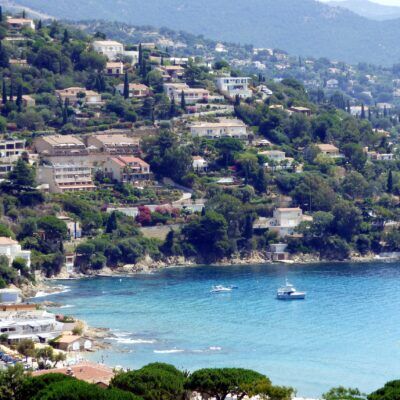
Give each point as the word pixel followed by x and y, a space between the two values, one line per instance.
pixel 221 289
pixel 289 292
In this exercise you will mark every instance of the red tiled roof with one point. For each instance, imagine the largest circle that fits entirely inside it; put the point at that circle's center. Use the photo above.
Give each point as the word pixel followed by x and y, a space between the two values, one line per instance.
pixel 84 371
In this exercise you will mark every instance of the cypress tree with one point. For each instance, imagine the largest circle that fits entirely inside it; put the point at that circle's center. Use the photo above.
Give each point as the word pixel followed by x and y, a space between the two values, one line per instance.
pixel 23 14
pixel 1 14
pixel 385 113
pixel 65 37
pixel 172 108
pixel 183 101
pixel 112 223
pixel 39 25
pixel 362 111
pixel 348 107
pixel 126 86
pixel 4 92
pixel 11 91
pixel 18 102
pixel 390 182
pixel 237 100
pixel 369 114
pixel 248 227
pixel 140 56
pixel 65 111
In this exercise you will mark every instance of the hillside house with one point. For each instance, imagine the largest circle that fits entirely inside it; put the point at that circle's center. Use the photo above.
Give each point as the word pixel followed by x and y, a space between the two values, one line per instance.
pixel 284 221
pixel 15 25
pixel 199 164
pixel 127 169
pixel 300 110
pixel 234 128
pixel 234 86
pixel 76 95
pixel 192 95
pixel 114 68
pixel 136 90
pixel 328 150
pixel 12 250
pixel 109 48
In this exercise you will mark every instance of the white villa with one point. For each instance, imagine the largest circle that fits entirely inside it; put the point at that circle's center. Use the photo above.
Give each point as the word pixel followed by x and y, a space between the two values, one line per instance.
pixel 109 48
pixel 234 86
pixel 199 164
pixel 234 128
pixel 284 221
pixel 12 250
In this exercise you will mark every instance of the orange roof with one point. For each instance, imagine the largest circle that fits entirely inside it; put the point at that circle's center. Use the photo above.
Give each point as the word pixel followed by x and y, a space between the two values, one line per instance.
pixel 7 241
pixel 84 371
pixel 68 339
pixel 133 160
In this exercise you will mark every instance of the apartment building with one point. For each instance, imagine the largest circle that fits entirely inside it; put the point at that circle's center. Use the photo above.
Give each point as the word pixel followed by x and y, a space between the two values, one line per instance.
pixel 60 145
pixel 114 144
pixel 127 169
pixel 10 151
pixel 234 86
pixel 66 177
pixel 234 128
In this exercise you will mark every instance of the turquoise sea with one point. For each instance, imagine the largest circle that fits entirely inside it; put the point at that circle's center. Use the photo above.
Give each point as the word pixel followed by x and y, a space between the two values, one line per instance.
pixel 347 331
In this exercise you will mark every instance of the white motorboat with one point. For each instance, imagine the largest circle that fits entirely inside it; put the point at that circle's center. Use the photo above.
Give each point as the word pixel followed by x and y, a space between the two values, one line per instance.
pixel 289 292
pixel 221 289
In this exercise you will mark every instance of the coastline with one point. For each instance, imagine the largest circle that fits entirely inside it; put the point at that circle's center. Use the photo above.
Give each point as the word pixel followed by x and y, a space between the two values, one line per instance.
pixel 148 266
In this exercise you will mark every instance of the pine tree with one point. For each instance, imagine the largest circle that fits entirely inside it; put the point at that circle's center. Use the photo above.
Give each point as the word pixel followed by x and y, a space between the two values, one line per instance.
pixel 4 92
pixel 183 101
pixel 390 182
pixel 362 111
pixel 126 86
pixel 18 102
pixel 65 37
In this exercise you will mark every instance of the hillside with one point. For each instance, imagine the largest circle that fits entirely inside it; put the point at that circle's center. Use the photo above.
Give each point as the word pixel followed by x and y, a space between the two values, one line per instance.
pixel 369 9
pixel 304 28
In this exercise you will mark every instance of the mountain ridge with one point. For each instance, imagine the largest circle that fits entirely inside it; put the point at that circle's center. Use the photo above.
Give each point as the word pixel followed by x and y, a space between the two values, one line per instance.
pixel 307 28
pixel 368 9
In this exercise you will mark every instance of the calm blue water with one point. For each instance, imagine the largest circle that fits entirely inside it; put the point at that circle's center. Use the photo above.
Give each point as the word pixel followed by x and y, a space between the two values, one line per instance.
pixel 347 332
